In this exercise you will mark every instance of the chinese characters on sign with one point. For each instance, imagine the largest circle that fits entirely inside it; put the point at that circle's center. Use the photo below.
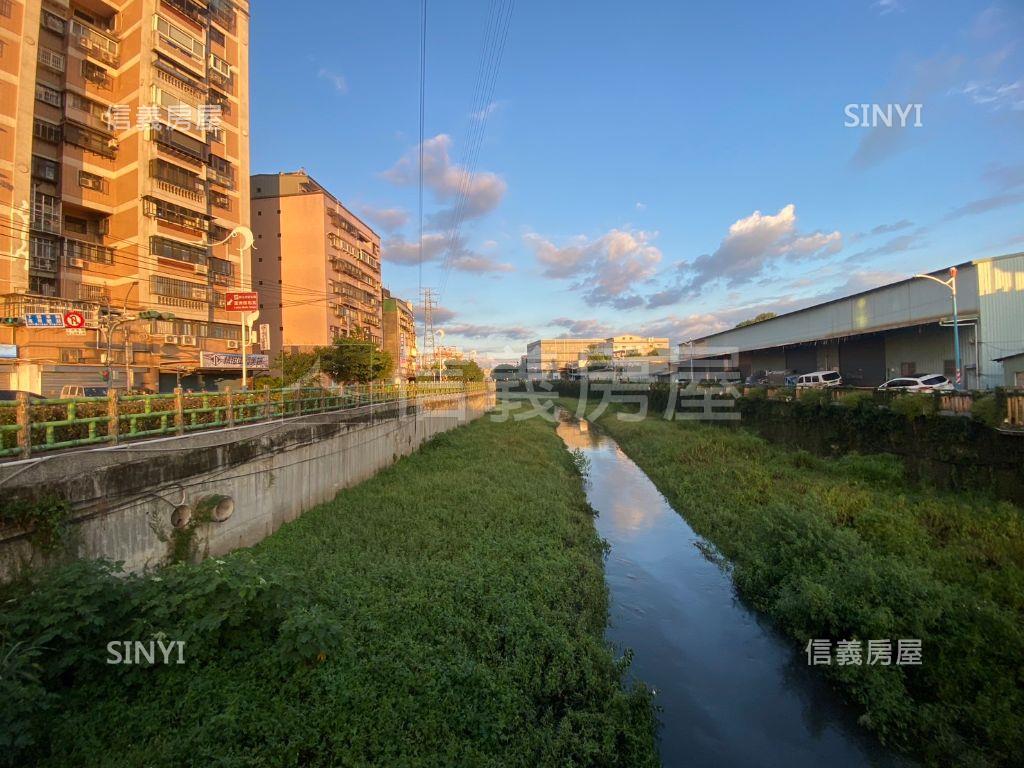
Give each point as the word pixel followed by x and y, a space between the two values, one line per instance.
pixel 242 301
pixel 232 361
pixel 852 652
pixel 206 117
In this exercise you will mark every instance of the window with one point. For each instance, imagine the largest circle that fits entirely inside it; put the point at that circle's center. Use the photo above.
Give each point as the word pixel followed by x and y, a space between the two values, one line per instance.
pixel 216 36
pixel 76 225
pixel 92 181
pixel 49 95
pixel 175 214
pixel 44 168
pixel 908 369
pixel 220 200
pixel 51 21
pixel 71 355
pixel 178 38
pixel 178 289
pixel 166 248
pixel 96 75
pixel 933 381
pixel 830 376
pixel 44 131
pixel 223 173
pixel 90 140
pixel 175 175
pixel 180 144
pixel 51 59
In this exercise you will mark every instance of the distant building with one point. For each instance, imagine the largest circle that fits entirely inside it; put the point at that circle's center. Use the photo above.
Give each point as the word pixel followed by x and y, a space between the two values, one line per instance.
pixel 316 265
pixel 551 358
pixel 901 329
pixel 564 358
pixel 399 329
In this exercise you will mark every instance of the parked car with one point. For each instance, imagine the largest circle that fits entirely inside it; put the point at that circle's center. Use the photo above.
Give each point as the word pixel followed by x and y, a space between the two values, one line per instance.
pixel 929 382
pixel 12 394
pixel 69 391
pixel 819 380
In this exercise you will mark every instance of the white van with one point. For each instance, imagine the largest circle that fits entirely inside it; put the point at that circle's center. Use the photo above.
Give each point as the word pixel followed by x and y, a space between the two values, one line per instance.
pixel 819 380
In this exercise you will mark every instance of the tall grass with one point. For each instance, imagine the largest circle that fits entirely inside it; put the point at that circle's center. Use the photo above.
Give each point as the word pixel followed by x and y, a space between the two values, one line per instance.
pixel 448 612
pixel 846 549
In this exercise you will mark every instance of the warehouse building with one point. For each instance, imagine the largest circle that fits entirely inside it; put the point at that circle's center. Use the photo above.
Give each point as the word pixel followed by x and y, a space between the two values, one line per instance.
pixel 900 329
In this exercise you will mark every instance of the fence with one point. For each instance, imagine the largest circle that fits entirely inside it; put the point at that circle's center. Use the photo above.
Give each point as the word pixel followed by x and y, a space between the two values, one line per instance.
pixel 45 425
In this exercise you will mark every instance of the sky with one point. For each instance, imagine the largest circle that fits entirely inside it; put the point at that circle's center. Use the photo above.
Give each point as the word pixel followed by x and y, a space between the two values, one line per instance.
pixel 659 167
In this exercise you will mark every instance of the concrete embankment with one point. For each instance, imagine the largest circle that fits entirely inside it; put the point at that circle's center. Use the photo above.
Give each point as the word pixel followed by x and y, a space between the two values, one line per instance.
pixel 209 493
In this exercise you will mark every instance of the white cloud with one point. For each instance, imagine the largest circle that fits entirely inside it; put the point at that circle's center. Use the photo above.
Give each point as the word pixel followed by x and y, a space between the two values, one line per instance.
pixel 388 219
pixel 885 7
pixel 483 191
pixel 996 97
pixel 754 243
pixel 487 111
pixel 606 269
pixel 480 331
pixel 397 250
pixel 338 81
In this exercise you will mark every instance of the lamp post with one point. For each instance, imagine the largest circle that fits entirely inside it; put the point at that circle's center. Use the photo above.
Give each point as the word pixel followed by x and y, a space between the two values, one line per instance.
pixel 247 242
pixel 951 285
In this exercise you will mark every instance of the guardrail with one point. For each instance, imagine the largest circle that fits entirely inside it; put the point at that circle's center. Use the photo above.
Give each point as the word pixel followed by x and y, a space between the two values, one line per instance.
pixel 28 426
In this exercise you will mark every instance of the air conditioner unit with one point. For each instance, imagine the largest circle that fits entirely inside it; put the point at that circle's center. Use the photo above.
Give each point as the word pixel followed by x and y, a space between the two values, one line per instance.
pixel 234 344
pixel 199 294
pixel 170 339
pixel 188 341
pixel 76 263
pixel 202 269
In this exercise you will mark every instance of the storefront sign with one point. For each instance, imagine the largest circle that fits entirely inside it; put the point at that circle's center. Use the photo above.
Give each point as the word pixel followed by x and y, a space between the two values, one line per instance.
pixel 232 361
pixel 8 351
pixel 265 337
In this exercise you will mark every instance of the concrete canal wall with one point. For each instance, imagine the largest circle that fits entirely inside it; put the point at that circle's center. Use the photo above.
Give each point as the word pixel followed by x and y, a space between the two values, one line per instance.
pixel 217 490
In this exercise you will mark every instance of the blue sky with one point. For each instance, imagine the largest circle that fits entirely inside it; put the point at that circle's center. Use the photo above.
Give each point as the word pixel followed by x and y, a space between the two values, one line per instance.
pixel 661 168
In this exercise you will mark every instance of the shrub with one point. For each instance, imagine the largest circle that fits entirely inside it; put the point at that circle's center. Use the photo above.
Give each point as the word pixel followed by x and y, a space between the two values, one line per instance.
pixel 986 409
pixel 912 405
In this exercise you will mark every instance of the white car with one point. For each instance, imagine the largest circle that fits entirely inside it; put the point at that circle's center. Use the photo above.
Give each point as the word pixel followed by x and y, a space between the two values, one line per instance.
pixel 929 382
pixel 819 380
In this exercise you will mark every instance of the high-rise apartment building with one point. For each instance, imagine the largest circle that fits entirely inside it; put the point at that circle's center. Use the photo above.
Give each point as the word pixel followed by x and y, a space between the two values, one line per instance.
pixel 316 265
pixel 399 326
pixel 124 157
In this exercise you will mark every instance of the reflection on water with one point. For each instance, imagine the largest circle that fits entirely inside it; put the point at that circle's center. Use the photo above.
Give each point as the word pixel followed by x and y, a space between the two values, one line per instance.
pixel 733 691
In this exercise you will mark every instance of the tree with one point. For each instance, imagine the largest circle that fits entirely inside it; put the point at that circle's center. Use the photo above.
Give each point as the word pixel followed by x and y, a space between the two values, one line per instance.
pixel 299 366
pixel 759 319
pixel 354 359
pixel 463 370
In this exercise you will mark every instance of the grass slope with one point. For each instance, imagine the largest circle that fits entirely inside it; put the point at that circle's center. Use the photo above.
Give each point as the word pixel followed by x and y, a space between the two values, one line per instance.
pixel 448 612
pixel 846 549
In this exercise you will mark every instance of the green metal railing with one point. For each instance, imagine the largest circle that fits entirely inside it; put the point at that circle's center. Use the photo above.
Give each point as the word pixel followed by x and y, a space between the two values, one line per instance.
pixel 27 427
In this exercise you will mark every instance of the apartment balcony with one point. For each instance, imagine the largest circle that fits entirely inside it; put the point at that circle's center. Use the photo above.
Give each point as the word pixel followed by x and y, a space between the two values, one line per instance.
pixel 90 140
pixel 225 178
pixel 95 43
pixel 179 43
pixel 78 251
pixel 175 215
pixel 193 196
pixel 180 145
pixel 222 13
pixel 85 112
pixel 224 82
pixel 188 10
pixel 42 262
pixel 179 83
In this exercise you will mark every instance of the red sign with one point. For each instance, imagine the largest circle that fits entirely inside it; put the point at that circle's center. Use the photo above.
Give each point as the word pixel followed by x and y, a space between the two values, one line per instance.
pixel 242 301
pixel 74 319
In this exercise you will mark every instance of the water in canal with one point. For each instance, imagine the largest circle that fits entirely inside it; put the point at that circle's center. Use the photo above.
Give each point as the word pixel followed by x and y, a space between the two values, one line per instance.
pixel 732 690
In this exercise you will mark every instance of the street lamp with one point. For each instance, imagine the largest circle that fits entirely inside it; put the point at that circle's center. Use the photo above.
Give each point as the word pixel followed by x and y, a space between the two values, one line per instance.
pixel 247 242
pixel 951 285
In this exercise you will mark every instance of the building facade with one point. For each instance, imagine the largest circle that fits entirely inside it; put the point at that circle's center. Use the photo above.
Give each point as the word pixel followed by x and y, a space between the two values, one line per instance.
pixel 902 329
pixel 124 157
pixel 399 330
pixel 632 346
pixel 316 266
pixel 548 359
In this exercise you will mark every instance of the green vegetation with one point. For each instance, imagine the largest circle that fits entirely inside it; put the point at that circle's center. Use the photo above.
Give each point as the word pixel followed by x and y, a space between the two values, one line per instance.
pixel 448 612
pixel 845 548
pixel 757 319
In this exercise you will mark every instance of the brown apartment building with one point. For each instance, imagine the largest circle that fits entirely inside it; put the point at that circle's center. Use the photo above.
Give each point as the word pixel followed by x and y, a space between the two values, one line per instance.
pixel 399 333
pixel 124 156
pixel 316 266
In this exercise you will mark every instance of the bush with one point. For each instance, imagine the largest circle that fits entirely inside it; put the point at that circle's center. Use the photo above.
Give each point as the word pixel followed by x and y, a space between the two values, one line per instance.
pixel 988 410
pixel 857 399
pixel 912 405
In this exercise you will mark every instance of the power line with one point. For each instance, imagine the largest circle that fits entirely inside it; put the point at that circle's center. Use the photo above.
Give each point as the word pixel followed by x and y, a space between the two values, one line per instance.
pixel 422 131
